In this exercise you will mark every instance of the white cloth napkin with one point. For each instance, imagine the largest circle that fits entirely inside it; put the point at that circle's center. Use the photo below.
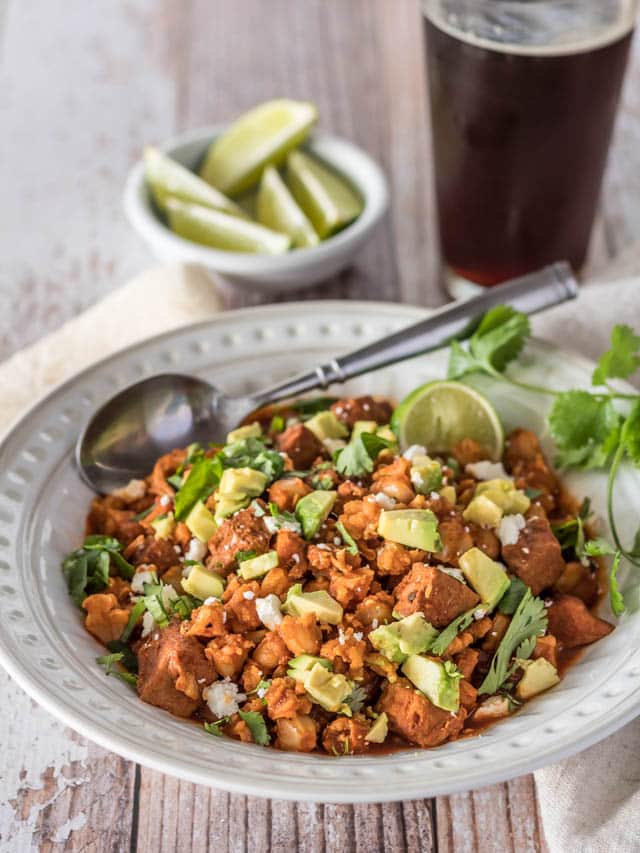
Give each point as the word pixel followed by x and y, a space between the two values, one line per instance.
pixel 589 803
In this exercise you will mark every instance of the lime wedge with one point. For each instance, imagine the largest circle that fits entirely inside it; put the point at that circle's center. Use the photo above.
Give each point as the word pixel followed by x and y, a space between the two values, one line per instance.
pixel 276 208
pixel 263 136
pixel 439 414
pixel 221 231
pixel 328 200
pixel 167 179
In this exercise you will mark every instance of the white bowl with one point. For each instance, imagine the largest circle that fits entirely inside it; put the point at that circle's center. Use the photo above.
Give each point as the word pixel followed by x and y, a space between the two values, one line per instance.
pixel 299 268
pixel 43 503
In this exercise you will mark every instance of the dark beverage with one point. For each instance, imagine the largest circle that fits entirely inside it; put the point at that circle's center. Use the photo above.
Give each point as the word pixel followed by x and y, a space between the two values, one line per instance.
pixel 520 143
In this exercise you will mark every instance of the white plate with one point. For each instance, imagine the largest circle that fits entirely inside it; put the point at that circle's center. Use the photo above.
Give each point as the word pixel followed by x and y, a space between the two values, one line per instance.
pixel 45 648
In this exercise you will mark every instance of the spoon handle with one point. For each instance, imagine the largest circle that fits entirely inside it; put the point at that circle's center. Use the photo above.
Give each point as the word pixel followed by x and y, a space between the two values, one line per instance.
pixel 530 293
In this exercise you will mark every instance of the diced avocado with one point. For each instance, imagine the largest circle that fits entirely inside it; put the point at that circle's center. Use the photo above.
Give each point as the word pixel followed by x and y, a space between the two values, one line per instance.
pixel 256 567
pixel 440 682
pixel 481 510
pixel 313 509
pixel 362 426
pixel 504 494
pixel 203 584
pixel 379 730
pixel 387 433
pixel 426 474
pixel 415 528
pixel 328 689
pixel 164 526
pixel 253 430
pixel 449 494
pixel 410 636
pixel 538 675
pixel 318 602
pixel 300 667
pixel 201 522
pixel 326 425
pixel 237 487
pixel 487 577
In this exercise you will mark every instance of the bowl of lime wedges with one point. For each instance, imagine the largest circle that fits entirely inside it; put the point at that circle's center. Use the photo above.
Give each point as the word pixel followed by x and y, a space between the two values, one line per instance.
pixel 265 201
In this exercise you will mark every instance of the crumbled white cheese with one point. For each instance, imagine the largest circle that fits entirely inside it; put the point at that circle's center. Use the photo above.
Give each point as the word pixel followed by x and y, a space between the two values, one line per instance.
pixel 268 610
pixel 341 637
pixel 413 451
pixel 223 698
pixel 454 573
pixel 322 546
pixel 295 558
pixel 261 692
pixel 248 595
pixel 526 550
pixel 148 624
pixel 271 524
pixel 479 614
pixel 196 550
pixel 358 635
pixel 385 501
pixel 434 496
pixel 211 600
pixel 140 579
pixel 337 540
pixel 135 490
pixel 165 500
pixel 168 595
pixel 486 470
pixel 177 549
pixel 374 623
pixel 510 527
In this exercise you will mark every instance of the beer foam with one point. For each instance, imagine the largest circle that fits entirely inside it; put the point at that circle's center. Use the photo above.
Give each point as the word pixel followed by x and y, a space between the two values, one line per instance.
pixel 534 29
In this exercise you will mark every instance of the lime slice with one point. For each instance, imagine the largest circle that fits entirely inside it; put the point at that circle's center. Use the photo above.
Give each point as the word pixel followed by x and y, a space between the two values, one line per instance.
pixel 221 231
pixel 276 208
pixel 167 179
pixel 439 414
pixel 328 200
pixel 263 136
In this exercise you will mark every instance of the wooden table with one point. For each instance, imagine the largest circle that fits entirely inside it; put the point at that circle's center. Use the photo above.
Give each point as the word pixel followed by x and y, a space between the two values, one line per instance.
pixel 83 87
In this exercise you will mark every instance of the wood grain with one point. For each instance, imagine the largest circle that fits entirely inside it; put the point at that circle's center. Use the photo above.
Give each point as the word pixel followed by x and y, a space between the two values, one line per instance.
pixel 81 90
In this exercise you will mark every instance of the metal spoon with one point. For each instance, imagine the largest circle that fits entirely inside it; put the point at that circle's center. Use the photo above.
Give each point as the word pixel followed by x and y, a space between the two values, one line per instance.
pixel 128 433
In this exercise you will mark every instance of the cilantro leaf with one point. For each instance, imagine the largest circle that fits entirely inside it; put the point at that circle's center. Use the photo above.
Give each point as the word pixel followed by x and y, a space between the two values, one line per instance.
pixel 252 453
pixel 202 480
pixel 630 434
pixel 108 662
pixel 134 617
pixel 310 407
pixel 356 699
pixel 615 596
pixel 513 596
pixel 448 634
pixel 257 727
pixel 622 359
pixel 529 621
pixel 500 336
pixel 214 728
pixel 357 458
pixel 585 428
pixel 86 570
pixel 461 361
pixel 347 538
pixel 598 548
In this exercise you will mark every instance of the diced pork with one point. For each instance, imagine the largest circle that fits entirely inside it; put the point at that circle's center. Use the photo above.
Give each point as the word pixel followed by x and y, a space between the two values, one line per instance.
pixel 415 718
pixel 243 532
pixel 300 445
pixel 536 558
pixel 436 594
pixel 352 409
pixel 573 624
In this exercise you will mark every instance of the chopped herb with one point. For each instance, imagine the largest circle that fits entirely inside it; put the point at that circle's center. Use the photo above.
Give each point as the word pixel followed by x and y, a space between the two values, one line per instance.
pixel 615 596
pixel 532 494
pixel 257 727
pixel 134 617
pixel 214 728
pixel 310 407
pixel 349 541
pixel 252 453
pixel 176 480
pixel 241 556
pixel 321 482
pixel 108 661
pixel 86 570
pixel 448 635
pixel 183 605
pixel 154 604
pixel 277 424
pixel 356 699
pixel 513 596
pixel 282 517
pixel 357 458
pixel 528 623
pixel 454 465
pixel 202 480
pixel 129 660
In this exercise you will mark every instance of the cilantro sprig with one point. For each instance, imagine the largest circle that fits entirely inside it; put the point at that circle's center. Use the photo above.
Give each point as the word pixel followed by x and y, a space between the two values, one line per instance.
pixel 86 569
pixel 357 458
pixel 590 428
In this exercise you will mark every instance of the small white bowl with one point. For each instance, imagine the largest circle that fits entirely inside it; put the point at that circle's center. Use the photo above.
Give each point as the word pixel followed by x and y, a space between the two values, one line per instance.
pixel 298 268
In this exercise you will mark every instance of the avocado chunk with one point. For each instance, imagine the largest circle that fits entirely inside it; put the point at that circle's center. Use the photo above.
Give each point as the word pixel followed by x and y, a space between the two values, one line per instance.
pixel 504 494
pixel 410 636
pixel 415 528
pixel 313 509
pixel 481 510
pixel 300 667
pixel 426 474
pixel 328 689
pixel 378 731
pixel 201 522
pixel 362 426
pixel 387 433
pixel 164 526
pixel 440 682
pixel 253 430
pixel 539 675
pixel 256 567
pixel 326 425
pixel 319 602
pixel 203 584
pixel 237 487
pixel 487 577
pixel 449 494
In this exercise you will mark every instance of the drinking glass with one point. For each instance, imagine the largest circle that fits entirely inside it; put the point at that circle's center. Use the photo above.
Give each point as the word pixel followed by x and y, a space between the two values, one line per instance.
pixel 523 98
